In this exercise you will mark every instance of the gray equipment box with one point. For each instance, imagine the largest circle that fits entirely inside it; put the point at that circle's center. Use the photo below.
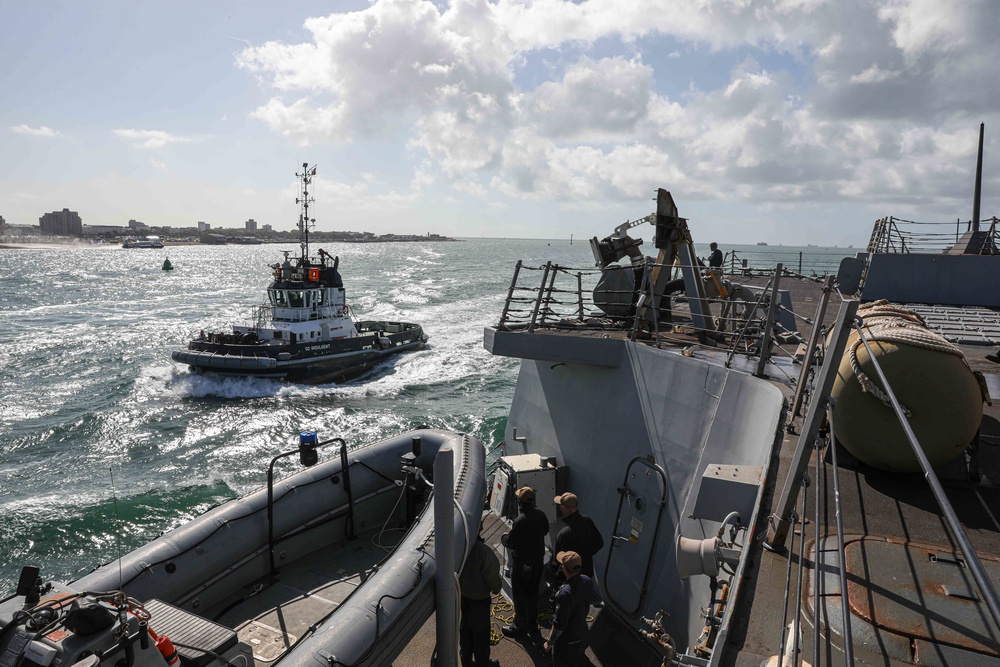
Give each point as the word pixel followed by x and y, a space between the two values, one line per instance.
pixel 520 470
pixel 725 489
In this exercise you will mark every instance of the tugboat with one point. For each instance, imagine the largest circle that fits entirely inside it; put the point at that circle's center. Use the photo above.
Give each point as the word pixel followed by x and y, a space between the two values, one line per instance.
pixel 304 332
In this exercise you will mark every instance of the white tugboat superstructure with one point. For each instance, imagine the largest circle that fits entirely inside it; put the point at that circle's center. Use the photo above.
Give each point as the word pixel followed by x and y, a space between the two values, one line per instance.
pixel 304 332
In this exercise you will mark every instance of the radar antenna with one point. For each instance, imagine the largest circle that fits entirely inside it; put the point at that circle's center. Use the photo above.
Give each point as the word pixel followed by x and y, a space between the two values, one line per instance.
pixel 305 222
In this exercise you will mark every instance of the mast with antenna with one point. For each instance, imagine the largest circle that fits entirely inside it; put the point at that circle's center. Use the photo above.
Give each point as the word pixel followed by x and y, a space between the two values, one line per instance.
pixel 304 200
pixel 979 181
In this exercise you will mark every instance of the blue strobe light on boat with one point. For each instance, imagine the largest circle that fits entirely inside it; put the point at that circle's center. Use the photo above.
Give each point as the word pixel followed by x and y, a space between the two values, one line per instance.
pixel 308 456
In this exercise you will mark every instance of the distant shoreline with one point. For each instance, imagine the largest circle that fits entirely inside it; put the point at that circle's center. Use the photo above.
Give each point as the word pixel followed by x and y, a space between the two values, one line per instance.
pixel 46 246
pixel 171 244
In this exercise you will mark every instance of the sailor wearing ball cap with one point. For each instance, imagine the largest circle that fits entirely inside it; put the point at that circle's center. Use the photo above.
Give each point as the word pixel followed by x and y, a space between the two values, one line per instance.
pixel 526 541
pixel 580 534
pixel 568 639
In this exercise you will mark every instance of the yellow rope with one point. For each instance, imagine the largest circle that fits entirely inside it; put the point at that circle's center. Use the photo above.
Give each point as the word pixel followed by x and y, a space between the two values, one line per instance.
pixel 502 611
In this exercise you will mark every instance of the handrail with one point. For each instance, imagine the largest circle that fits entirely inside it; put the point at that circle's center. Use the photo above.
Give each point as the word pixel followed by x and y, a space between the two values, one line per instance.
pixel 549 303
pixel 842 571
pixel 768 332
pixel 817 324
pixel 951 519
pixel 896 235
pixel 780 523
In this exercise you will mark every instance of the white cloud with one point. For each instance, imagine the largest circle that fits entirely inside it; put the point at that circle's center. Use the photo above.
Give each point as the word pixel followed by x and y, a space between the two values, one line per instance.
pixel 157 164
pixel 873 75
pixel 930 25
pixel 150 138
pixel 858 100
pixel 41 131
pixel 596 100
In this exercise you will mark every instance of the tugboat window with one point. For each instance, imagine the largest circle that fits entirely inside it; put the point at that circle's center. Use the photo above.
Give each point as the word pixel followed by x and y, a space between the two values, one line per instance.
pixel 295 299
pixel 279 298
pixel 319 297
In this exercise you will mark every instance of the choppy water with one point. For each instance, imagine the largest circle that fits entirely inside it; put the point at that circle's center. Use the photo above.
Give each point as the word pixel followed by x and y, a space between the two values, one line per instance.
pixel 88 391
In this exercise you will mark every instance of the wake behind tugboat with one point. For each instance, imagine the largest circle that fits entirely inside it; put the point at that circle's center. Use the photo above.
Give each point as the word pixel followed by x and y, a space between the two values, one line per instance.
pixel 304 332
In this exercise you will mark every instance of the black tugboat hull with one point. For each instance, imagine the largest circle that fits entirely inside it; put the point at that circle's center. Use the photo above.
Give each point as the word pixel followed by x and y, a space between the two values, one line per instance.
pixel 304 363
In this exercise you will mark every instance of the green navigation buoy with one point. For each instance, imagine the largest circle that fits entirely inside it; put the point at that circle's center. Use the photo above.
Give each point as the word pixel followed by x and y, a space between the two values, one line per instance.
pixel 167 266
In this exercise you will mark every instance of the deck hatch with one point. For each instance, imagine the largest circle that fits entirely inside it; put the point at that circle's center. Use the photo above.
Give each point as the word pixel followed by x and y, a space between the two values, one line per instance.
pixel 922 592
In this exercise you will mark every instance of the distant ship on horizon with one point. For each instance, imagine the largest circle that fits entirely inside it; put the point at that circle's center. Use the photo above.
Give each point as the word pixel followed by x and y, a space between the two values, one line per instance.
pixel 761 243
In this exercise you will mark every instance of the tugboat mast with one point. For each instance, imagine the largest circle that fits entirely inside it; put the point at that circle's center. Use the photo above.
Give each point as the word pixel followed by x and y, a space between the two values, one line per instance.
pixel 305 200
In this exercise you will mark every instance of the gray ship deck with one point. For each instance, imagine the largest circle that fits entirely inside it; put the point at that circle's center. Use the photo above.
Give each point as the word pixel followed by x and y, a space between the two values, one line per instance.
pixel 899 509
pixel 883 507
pixel 610 644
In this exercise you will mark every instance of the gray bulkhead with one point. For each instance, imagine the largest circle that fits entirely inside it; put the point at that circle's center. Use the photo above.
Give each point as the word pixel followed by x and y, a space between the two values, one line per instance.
pixel 598 404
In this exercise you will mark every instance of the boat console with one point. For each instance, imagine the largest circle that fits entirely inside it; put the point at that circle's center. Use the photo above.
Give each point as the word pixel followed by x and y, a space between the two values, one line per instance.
pixel 53 625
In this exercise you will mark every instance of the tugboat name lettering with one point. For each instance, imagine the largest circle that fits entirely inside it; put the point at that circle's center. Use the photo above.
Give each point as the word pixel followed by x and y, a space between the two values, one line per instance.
pixel 317 348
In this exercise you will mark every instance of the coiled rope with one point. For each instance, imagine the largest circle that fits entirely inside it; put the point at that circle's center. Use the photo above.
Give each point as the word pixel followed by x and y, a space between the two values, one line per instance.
pixel 886 322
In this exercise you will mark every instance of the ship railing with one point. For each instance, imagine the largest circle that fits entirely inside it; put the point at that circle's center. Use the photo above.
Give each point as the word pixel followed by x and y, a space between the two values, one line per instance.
pixel 754 264
pixel 558 297
pixel 745 322
pixel 259 315
pixel 811 444
pixel 893 235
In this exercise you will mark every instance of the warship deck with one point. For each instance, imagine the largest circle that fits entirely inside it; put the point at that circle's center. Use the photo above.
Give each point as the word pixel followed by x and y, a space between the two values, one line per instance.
pixel 924 610
pixel 610 643
pixel 921 611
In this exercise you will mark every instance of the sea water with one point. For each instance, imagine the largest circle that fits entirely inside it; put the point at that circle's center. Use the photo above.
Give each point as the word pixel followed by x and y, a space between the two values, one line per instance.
pixel 104 440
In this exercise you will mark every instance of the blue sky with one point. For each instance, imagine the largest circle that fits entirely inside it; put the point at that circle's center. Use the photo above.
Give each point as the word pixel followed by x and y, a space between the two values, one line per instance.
pixel 788 121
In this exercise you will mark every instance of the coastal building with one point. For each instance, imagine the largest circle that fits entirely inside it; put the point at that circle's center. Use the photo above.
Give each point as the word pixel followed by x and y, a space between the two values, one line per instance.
pixel 19 230
pixel 266 228
pixel 213 239
pixel 104 230
pixel 251 225
pixel 63 223
pixel 135 224
pixel 203 226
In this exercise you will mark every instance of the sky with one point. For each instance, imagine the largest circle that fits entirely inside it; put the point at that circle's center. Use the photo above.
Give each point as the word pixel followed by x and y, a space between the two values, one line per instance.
pixel 784 121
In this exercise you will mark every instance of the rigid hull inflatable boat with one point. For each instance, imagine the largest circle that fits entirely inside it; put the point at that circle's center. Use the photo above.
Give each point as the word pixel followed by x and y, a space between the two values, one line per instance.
pixel 294 573
pixel 304 332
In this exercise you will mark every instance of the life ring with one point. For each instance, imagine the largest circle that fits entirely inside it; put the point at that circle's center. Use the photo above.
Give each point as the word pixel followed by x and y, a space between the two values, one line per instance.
pixel 347 311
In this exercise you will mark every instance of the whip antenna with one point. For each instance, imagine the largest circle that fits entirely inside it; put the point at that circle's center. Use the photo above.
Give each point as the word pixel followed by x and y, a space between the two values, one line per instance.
pixel 118 543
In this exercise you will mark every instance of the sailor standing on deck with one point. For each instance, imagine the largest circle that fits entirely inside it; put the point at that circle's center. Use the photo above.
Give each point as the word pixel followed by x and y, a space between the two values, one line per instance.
pixel 715 258
pixel 526 542
pixel 480 580
pixel 568 639
pixel 579 535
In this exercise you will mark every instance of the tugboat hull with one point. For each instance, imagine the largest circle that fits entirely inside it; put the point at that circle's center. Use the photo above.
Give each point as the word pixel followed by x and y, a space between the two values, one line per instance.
pixel 306 363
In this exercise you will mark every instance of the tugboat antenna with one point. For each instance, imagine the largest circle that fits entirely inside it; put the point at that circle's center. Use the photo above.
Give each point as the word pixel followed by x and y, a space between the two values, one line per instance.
pixel 304 199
